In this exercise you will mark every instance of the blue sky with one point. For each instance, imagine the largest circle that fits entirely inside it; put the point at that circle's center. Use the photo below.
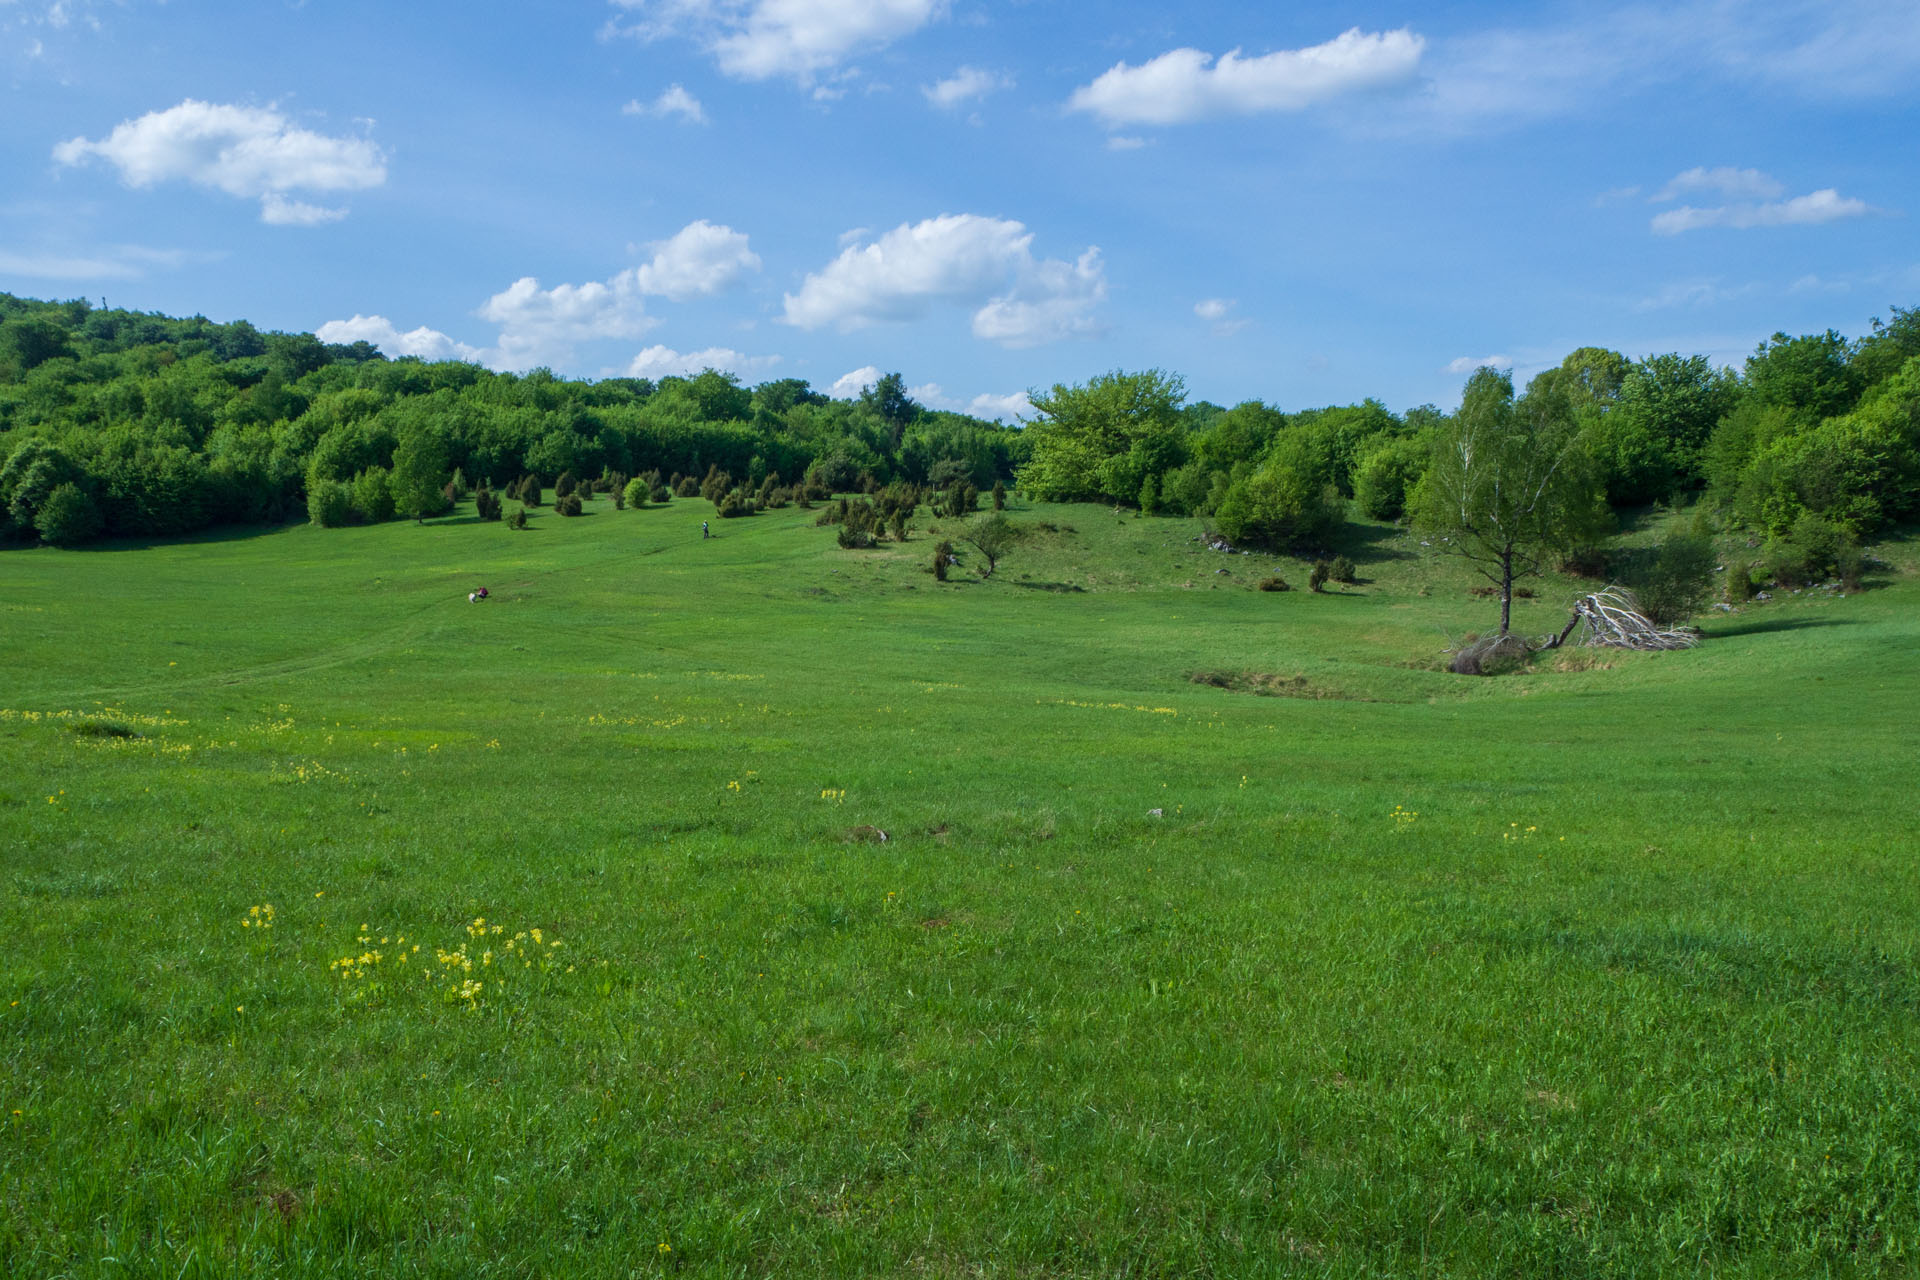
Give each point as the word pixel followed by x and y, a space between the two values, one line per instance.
pixel 1306 204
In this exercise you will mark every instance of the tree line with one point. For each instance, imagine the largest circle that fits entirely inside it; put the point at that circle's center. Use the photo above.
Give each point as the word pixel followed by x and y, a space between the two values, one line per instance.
pixel 121 423
pixel 126 424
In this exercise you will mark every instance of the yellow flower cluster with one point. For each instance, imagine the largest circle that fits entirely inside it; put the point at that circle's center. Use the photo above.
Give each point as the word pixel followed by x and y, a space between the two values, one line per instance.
pixel 1404 817
pixel 1514 832
pixel 260 917
pixel 733 786
pixel 451 971
pixel 837 796
pixel 1109 706
pixel 301 774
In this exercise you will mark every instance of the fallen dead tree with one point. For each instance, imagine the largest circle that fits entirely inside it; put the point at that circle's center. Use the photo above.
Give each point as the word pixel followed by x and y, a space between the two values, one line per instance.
pixel 1610 619
pixel 1613 619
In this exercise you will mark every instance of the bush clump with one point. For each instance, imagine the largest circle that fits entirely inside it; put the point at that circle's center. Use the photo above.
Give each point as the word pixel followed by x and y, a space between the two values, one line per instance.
pixel 486 503
pixel 637 493
pixel 1318 575
pixel 1273 583
pixel 567 505
pixel 1342 570
pixel 519 520
pixel 68 517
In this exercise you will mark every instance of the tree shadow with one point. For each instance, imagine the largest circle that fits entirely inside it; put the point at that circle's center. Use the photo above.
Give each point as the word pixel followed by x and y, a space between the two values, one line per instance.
pixel 1762 626
pixel 1063 588
pixel 1369 542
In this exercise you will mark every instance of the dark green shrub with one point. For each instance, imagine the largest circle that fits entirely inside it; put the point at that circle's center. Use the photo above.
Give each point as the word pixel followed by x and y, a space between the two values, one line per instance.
pixel 1679 581
pixel 529 490
pixel 1850 563
pixel 68 517
pixel 1820 541
pixel 1342 569
pixel 661 494
pixel 486 504
pixel 716 485
pixel 733 505
pixel 1274 583
pixel 458 484
pixel 1739 580
pixel 565 485
pixel 1585 562
pixel 942 557
pixel 687 488
pixel 855 539
pixel 1318 575
pixel 1387 475
pixel 999 495
pixel 567 505
pixel 519 520
pixel 897 526
pixel 373 495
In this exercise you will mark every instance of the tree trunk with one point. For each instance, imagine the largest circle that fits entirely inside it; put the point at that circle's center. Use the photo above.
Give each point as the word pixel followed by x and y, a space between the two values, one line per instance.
pixel 1506 591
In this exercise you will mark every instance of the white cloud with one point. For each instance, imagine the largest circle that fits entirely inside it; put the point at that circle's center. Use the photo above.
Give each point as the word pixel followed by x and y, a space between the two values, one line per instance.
pixel 1826 205
pixel 543 326
pixel 1219 311
pixel 115 262
pixel 1123 142
pixel 849 385
pixel 675 101
pixel 1467 364
pixel 964 85
pixel 1000 408
pixel 700 258
pixel 428 344
pixel 966 260
pixel 1727 182
pixel 252 152
pixel 765 39
pixel 1186 84
pixel 276 210
pixel 663 362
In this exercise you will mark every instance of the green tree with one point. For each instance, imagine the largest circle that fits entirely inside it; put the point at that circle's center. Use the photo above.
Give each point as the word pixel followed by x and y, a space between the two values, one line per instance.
pixel 1101 440
pixel 1509 484
pixel 68 517
pixel 992 536
pixel 1288 500
pixel 419 472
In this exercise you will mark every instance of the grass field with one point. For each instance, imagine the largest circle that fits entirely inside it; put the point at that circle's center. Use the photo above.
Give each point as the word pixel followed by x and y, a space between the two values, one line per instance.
pixel 1605 971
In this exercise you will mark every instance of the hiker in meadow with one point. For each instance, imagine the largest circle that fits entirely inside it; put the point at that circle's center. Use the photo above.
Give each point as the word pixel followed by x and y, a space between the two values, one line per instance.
pixel 703 531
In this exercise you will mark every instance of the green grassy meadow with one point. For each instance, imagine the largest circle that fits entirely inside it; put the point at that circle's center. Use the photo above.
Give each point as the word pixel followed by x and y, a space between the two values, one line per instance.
pixel 1600 971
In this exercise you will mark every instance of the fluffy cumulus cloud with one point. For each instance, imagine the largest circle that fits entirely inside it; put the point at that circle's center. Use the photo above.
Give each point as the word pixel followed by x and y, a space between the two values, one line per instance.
pixel 986 405
pixel 700 258
pixel 1187 84
pixel 1751 200
pixel 849 385
pixel 768 39
pixel 427 344
pixel 985 265
pixel 964 85
pixel 1467 364
pixel 545 326
pixel 251 152
pixel 664 362
pixel 674 101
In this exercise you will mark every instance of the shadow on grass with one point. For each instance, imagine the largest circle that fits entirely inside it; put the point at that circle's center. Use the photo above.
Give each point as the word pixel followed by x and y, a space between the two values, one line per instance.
pixel 1761 626
pixel 1365 542
pixel 1064 588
